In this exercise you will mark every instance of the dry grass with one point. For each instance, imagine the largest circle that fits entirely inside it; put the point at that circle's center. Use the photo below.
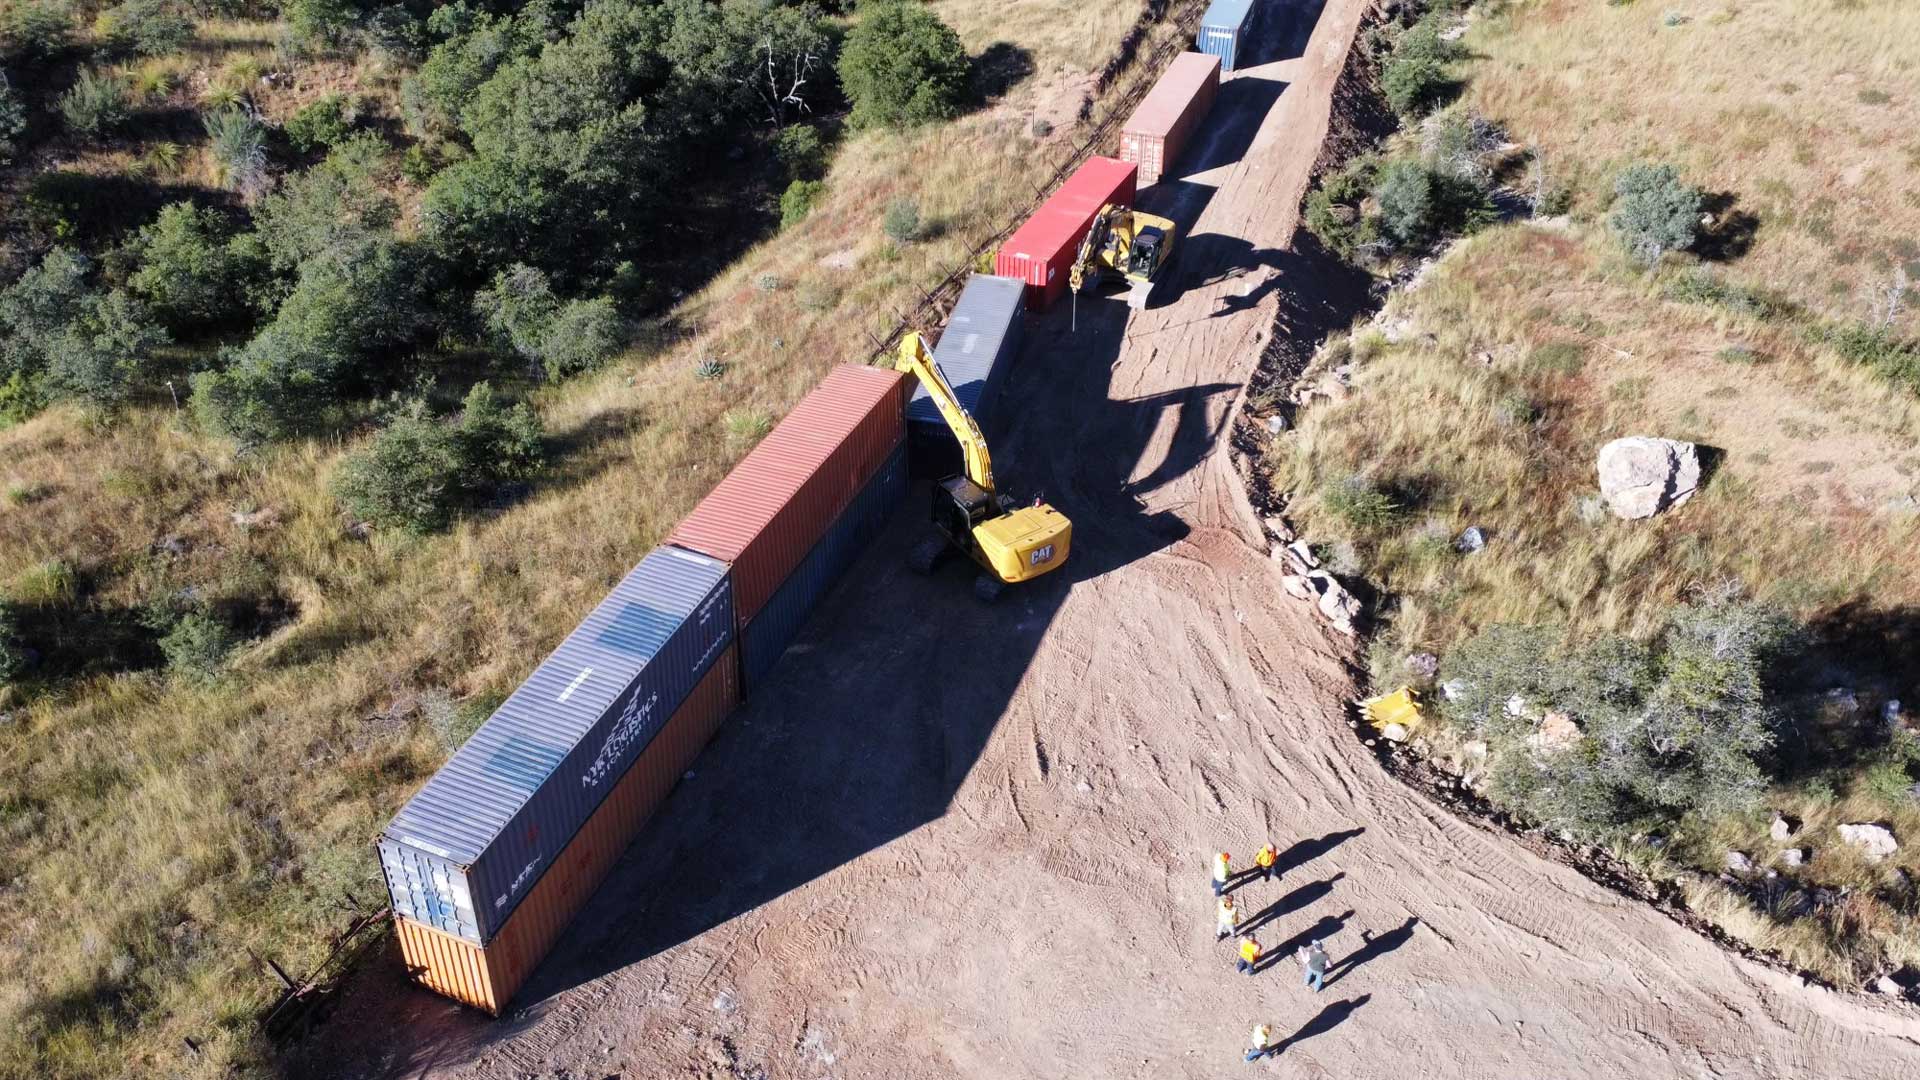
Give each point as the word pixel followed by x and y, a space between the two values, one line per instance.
pixel 1805 110
pixel 1528 347
pixel 156 830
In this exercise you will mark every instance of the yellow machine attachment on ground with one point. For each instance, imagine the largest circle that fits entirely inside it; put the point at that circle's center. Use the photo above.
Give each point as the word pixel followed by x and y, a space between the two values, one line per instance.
pixel 1124 244
pixel 1011 543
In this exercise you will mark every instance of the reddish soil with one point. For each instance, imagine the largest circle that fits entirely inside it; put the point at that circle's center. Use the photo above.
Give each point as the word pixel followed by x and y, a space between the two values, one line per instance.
pixel 958 840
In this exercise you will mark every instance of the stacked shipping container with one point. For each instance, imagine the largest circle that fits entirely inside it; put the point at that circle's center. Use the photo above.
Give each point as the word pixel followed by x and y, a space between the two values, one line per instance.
pixel 1223 31
pixel 488 864
pixel 1041 251
pixel 975 351
pixel 1172 111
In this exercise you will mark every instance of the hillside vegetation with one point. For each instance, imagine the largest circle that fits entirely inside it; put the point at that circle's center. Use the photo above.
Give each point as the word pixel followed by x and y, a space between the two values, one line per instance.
pixel 1716 211
pixel 239 631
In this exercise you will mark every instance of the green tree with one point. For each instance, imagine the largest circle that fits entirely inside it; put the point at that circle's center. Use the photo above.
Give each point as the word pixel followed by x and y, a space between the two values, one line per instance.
pixel 35 29
pixel 341 201
pixel 471 46
pixel 322 122
pixel 13 120
pixel 71 339
pixel 555 338
pixel 1414 77
pixel 144 27
pixel 197 646
pixel 1419 204
pixel 901 65
pixel 419 472
pixel 901 222
pixel 1654 211
pixel 802 153
pixel 797 201
pixel 190 269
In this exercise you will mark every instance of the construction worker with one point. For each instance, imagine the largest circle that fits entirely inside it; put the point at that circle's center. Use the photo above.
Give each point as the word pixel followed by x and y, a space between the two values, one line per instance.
pixel 1265 859
pixel 1260 1043
pixel 1314 959
pixel 1227 921
pixel 1249 954
pixel 1222 870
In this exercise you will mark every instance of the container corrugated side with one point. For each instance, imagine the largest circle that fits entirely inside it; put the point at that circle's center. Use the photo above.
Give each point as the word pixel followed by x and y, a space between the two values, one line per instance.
pixel 461 853
pixel 1159 129
pixel 487 977
pixel 1041 250
pixel 975 351
pixel 1222 30
pixel 765 639
pixel 766 514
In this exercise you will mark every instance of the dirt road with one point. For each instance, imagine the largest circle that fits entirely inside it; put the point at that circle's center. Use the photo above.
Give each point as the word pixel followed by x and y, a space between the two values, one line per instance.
pixel 967 841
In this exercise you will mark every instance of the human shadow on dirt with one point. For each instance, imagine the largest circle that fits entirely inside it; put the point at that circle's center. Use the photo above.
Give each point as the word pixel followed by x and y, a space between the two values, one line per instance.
pixel 1292 902
pixel 1302 852
pixel 1326 927
pixel 1328 1018
pixel 1375 947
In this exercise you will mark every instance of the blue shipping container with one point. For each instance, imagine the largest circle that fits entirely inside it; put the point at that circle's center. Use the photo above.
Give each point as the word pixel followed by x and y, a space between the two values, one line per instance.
pixel 765 639
pixel 460 855
pixel 975 351
pixel 1222 29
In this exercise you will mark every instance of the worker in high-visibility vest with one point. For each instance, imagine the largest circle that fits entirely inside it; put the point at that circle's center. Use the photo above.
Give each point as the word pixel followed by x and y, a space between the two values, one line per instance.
pixel 1260 1043
pixel 1222 870
pixel 1265 859
pixel 1249 954
pixel 1227 919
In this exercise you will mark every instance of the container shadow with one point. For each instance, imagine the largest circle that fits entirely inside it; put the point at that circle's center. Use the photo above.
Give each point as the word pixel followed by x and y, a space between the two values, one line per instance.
pixel 1238 110
pixel 1280 31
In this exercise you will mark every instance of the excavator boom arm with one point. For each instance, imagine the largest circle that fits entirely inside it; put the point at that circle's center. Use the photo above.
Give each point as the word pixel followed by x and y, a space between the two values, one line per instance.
pixel 915 357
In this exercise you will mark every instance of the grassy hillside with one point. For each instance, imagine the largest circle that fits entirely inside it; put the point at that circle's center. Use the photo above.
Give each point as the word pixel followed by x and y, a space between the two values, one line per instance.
pixel 158 826
pixel 1483 392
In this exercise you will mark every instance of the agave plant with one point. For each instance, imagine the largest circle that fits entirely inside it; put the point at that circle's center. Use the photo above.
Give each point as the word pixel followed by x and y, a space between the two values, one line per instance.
pixel 239 147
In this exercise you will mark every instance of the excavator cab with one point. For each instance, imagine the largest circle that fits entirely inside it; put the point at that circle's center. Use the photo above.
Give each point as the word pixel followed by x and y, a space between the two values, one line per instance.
pixel 1010 543
pixel 1145 256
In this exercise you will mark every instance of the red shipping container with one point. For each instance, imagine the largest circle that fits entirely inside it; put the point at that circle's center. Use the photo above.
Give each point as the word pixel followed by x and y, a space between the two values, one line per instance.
pixel 488 977
pixel 767 513
pixel 1041 251
pixel 1172 111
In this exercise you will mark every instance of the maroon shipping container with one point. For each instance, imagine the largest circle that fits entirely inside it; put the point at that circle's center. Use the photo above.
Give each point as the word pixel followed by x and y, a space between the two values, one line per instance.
pixel 779 501
pixel 1040 251
pixel 1172 111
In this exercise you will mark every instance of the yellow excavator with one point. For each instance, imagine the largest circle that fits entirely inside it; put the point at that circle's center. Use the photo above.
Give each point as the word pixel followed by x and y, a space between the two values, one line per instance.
pixel 1012 543
pixel 1127 244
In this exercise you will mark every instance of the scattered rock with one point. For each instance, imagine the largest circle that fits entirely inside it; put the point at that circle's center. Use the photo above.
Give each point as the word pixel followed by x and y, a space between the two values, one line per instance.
pixel 1276 424
pixel 1557 731
pixel 1793 858
pixel 1303 556
pixel 1470 541
pixel 1423 664
pixel 1297 586
pixel 359 530
pixel 1340 607
pixel 1783 827
pixel 1485 357
pixel 1656 841
pixel 1739 862
pixel 264 518
pixel 1278 528
pixel 1885 985
pixel 1394 733
pixel 1891 712
pixel 1640 475
pixel 1876 842
pixel 1452 689
pixel 1476 749
pixel 1517 707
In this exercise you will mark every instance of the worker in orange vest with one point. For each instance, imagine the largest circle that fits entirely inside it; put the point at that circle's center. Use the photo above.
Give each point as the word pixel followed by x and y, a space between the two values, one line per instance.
pixel 1265 859
pixel 1222 870
pixel 1228 919
pixel 1249 954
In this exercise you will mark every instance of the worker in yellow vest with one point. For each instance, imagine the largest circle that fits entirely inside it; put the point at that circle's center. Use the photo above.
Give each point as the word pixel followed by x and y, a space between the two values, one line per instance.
pixel 1227 920
pixel 1260 1043
pixel 1249 954
pixel 1222 870
pixel 1265 859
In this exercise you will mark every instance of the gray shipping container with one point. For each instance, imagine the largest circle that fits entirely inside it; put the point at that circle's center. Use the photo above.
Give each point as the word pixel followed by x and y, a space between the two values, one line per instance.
pixel 974 352
pixel 459 857
pixel 1223 30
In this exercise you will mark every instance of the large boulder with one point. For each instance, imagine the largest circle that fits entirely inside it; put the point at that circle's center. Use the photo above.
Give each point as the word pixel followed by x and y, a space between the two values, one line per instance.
pixel 1640 476
pixel 1876 842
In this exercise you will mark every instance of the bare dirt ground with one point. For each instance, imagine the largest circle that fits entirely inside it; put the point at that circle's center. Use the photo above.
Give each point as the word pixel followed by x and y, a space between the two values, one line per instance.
pixel 953 840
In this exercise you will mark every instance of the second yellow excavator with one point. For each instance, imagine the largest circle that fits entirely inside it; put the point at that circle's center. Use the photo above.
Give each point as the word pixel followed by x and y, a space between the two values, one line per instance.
pixel 1127 244
pixel 1012 543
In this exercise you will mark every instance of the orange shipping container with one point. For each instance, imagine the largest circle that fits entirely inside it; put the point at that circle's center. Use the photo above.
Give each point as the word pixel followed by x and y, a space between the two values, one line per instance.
pixel 487 978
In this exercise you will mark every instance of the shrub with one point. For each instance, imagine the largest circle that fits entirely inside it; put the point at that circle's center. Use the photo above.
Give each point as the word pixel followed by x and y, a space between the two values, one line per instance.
pixel 1678 724
pixel 901 66
pixel 1654 212
pixel 557 339
pixel 1700 285
pixel 1414 77
pixel 797 201
pixel 901 222
pixel 319 24
pixel 95 104
pixel 197 646
pixel 584 335
pixel 144 27
pixel 322 122
pixel 340 202
pixel 1356 501
pixel 13 120
pixel 60 335
pixel 419 472
pixel 239 147
pixel 13 652
pixel 802 153
pixel 1419 205
pixel 1879 351
pixel 746 425
pixel 189 269
pixel 35 29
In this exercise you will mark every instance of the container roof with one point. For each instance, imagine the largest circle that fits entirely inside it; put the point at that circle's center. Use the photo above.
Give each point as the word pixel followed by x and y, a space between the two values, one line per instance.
pixel 1063 218
pixel 1226 13
pixel 1168 101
